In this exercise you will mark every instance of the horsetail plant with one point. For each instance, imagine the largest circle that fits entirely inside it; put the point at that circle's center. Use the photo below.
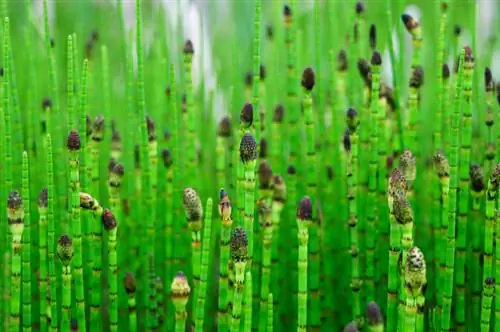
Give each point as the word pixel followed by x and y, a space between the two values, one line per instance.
pixel 463 192
pixel 225 209
pixel 73 145
pixel 43 279
pixel 205 260
pixel 15 215
pixel 135 85
pixel 489 282
pixel 477 189
pixel 27 244
pixel 374 318
pixel 415 281
pixel 239 256
pixel 351 148
pixel 130 287
pixel 376 62
pixel 194 215
pixel 110 225
pixel 304 220
pixel 180 292
pixel 65 253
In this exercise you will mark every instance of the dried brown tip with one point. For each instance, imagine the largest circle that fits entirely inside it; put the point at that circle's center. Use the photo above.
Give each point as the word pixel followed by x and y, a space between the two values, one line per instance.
pixel 192 204
pixel 469 56
pixel 347 140
pixel 476 178
pixel 262 72
pixel 129 283
pixel 366 71
pixel 65 249
pixel 167 134
pixel 402 208
pixel 279 112
pixel 329 172
pixel 239 245
pixel 118 169
pixel 376 59
pixel 73 141
pixel 108 220
pixel 246 116
pixel 270 32
pixel 225 206
pixel 263 148
pixel 287 11
pixel 116 138
pixel 409 22
pixel 342 63
pixel 265 175
pixel 304 210
pixel 408 164
pixel 488 80
pixel 374 314
pixel 224 127
pixel 248 148
pixel 446 71
pixel 352 119
pixel 308 79
pixel 98 126
pixel 397 182
pixel 43 198
pixel 137 157
pixel 291 170
pixel 415 260
pixel 188 48
pixel 167 158
pixel 46 103
pixel 417 77
pixel 498 92
pixel 14 201
pixel 279 192
pixel 111 165
pixel 151 127
pixel 351 327
pixel 360 7
pixel 495 177
pixel 373 36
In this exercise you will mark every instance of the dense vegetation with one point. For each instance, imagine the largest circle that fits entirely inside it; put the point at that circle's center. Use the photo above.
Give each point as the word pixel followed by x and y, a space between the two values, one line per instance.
pixel 334 186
